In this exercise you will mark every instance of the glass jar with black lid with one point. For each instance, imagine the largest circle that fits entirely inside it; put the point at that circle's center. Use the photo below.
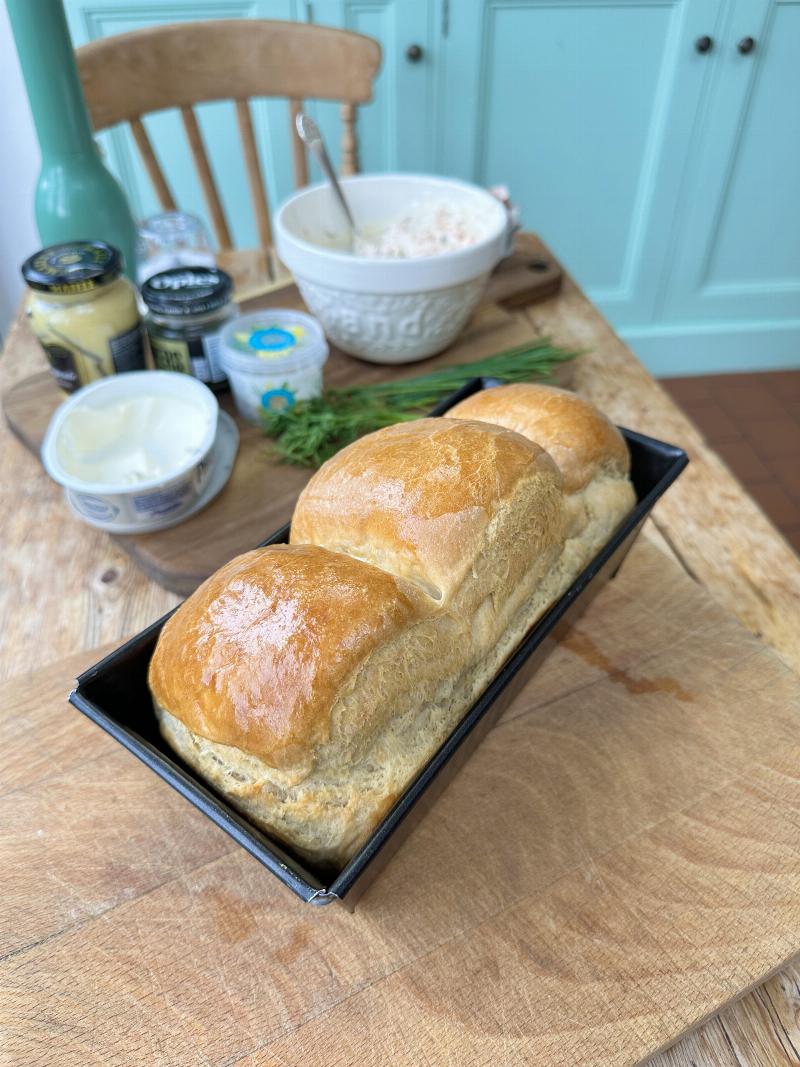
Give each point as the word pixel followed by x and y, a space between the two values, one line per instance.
pixel 84 312
pixel 187 308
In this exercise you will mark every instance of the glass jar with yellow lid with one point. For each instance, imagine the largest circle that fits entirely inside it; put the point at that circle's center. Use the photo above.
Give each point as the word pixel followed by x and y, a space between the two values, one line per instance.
pixel 84 312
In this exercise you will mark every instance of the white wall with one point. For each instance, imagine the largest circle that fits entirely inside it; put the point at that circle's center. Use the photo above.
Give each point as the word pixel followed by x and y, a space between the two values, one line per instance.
pixel 19 168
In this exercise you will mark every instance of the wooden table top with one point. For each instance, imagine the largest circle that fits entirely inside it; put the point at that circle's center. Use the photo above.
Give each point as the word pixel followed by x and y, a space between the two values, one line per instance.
pixel 68 588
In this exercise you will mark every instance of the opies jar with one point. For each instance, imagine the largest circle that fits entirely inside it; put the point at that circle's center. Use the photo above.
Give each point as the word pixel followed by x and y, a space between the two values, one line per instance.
pixel 187 308
pixel 84 312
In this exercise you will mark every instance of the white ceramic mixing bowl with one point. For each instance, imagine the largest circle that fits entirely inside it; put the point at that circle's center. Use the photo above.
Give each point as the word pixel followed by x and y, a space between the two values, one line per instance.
pixel 387 310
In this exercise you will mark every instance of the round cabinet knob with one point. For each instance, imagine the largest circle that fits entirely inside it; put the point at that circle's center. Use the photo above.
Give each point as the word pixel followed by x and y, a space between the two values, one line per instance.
pixel 704 44
pixel 746 46
pixel 414 53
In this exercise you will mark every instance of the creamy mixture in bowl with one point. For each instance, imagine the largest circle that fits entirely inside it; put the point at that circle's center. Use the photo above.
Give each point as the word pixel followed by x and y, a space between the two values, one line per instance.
pixel 428 227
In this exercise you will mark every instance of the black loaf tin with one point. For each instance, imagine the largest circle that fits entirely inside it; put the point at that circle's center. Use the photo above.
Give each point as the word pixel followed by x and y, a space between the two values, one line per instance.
pixel 114 694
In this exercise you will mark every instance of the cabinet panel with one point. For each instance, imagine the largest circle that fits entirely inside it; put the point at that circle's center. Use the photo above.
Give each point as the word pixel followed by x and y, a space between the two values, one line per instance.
pixel 738 249
pixel 396 130
pixel 585 109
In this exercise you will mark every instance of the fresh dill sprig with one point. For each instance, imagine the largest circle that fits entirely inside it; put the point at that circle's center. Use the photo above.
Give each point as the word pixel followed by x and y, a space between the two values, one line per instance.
pixel 311 431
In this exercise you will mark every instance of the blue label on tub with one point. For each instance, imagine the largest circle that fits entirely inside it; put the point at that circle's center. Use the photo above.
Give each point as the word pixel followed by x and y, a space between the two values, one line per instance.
pixel 161 501
pixel 277 399
pixel 94 507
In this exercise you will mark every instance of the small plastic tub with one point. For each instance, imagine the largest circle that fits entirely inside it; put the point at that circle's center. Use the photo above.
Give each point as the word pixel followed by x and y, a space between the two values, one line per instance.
pixel 273 358
pixel 134 451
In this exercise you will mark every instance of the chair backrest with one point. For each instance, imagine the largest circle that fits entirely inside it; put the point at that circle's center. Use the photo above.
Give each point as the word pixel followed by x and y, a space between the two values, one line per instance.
pixel 177 66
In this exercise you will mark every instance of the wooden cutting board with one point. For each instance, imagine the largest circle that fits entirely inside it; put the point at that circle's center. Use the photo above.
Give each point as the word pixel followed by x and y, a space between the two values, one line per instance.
pixel 619 859
pixel 261 493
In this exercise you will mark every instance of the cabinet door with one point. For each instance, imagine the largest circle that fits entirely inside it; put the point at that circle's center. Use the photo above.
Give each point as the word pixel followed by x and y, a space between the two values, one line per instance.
pixel 737 257
pixel 396 130
pixel 92 19
pixel 584 108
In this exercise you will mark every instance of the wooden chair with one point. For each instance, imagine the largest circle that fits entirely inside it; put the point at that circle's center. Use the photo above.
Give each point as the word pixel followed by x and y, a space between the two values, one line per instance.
pixel 177 66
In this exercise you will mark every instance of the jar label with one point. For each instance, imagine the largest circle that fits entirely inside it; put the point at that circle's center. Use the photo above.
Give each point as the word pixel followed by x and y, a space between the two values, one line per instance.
pixel 199 356
pixel 73 366
pixel 127 349
pixel 171 355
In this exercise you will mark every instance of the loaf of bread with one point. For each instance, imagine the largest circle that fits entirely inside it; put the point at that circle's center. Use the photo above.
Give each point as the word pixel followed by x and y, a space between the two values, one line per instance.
pixel 587 447
pixel 310 682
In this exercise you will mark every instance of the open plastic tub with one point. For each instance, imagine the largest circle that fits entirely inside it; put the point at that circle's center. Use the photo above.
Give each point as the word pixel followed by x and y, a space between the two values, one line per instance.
pixel 114 694
pixel 146 505
pixel 272 358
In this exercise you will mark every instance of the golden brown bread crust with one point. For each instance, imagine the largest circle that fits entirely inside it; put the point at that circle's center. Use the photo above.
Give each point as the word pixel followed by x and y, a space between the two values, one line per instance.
pixel 418 499
pixel 309 683
pixel 257 655
pixel 582 441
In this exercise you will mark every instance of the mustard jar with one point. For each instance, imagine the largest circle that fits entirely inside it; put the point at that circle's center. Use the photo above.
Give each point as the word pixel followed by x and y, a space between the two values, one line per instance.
pixel 84 312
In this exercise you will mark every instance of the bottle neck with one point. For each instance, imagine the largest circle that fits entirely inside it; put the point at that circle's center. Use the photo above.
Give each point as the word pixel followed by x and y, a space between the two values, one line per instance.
pixel 51 77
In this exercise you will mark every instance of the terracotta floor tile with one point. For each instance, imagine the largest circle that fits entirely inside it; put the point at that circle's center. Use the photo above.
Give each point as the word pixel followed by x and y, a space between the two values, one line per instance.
pixel 690 390
pixel 715 424
pixel 787 472
pixel 745 398
pixel 785 384
pixel 744 462
pixel 776 502
pixel 774 438
pixel 753 422
pixel 792 535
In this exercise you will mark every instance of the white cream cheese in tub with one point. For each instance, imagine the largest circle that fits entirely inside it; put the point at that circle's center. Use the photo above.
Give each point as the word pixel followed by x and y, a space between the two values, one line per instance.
pixel 133 451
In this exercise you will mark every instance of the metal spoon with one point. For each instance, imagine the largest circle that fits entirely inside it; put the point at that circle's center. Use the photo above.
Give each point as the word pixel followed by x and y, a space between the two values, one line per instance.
pixel 309 134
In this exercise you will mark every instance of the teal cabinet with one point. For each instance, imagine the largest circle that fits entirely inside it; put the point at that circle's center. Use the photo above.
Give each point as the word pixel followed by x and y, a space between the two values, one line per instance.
pixel 731 295
pixel 663 175
pixel 584 108
pixel 397 131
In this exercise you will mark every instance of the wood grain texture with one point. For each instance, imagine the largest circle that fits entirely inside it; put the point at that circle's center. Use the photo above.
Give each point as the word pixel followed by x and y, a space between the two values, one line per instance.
pixel 254 174
pixel 723 538
pixel 349 163
pixel 261 493
pixel 132 74
pixel 206 176
pixel 152 166
pixel 67 587
pixel 64 585
pixel 649 872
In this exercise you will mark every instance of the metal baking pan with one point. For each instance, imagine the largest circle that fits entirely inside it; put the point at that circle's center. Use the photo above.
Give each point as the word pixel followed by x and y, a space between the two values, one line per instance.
pixel 114 694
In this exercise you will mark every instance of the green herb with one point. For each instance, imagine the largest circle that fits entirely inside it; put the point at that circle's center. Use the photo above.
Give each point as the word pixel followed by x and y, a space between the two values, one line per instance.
pixel 311 431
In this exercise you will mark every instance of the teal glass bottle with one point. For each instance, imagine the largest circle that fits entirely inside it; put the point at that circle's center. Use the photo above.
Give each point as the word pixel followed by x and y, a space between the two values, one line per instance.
pixel 76 198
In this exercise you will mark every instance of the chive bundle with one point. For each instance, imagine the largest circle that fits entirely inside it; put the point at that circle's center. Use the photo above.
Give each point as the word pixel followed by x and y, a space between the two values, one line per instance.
pixel 311 431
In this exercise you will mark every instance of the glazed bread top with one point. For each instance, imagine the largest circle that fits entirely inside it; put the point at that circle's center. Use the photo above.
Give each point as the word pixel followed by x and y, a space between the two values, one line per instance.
pixel 258 655
pixel 581 440
pixel 431 500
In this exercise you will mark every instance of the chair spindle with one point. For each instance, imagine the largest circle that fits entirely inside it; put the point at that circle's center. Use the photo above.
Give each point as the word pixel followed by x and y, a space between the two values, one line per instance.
pixel 206 176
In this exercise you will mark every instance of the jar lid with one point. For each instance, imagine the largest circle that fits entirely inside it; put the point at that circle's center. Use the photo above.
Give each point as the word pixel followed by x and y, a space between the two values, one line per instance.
pixel 276 337
pixel 187 291
pixel 73 267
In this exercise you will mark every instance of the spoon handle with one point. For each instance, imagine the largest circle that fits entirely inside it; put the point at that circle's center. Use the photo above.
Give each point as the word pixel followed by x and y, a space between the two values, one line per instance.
pixel 312 138
pixel 321 152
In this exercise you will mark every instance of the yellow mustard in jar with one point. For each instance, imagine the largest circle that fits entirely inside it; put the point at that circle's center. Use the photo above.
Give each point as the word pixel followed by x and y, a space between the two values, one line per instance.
pixel 84 312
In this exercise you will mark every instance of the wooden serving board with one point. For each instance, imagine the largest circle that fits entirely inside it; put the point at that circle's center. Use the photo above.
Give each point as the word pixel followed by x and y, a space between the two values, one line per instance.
pixel 619 859
pixel 261 493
